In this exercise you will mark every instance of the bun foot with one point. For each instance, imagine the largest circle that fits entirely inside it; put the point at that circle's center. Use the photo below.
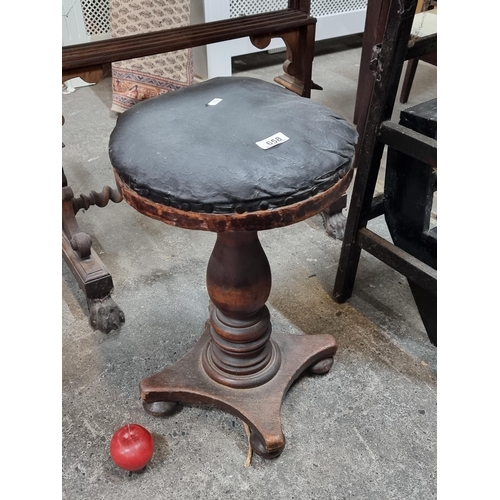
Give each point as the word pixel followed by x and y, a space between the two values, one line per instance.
pixel 322 367
pixel 160 408
pixel 259 447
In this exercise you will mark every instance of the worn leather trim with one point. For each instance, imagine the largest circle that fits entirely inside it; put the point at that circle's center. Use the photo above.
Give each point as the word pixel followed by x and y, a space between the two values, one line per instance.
pixel 240 207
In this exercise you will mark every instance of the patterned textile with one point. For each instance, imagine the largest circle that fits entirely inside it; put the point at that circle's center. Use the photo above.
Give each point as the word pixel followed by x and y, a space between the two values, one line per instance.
pixel 145 77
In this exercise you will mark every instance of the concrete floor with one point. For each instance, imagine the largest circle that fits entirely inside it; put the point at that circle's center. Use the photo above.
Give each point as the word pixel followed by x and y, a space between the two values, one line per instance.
pixel 366 430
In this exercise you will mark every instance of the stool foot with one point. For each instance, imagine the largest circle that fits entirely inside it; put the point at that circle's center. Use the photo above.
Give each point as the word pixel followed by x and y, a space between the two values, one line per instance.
pixel 259 446
pixel 187 382
pixel 322 367
pixel 161 408
pixel 104 314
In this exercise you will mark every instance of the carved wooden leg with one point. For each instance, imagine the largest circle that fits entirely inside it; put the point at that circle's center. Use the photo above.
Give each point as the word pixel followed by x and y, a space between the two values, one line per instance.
pixel 236 365
pixel 88 270
pixel 334 220
pixel 297 68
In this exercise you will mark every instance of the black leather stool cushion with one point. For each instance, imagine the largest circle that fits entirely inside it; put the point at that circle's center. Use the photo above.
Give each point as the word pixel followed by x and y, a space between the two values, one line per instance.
pixel 177 150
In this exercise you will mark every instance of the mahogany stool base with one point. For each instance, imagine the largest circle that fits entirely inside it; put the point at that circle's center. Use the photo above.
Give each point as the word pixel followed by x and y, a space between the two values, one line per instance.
pixel 187 382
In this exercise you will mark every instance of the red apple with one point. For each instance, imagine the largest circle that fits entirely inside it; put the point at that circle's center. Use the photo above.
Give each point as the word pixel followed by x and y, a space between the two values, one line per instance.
pixel 131 447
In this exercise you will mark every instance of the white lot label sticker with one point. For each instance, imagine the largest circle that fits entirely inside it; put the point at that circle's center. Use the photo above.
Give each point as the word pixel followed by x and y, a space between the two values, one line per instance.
pixel 215 101
pixel 274 140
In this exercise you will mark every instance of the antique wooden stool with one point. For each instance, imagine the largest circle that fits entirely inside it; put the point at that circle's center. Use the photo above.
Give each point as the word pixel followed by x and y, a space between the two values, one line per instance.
pixel 235 156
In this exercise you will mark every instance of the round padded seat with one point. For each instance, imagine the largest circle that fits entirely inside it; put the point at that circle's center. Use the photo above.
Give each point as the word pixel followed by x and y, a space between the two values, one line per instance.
pixel 185 151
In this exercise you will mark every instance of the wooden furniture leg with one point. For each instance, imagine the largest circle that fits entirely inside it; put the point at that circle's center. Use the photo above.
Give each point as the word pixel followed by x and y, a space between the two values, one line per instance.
pixel 411 69
pixel 408 195
pixel 297 68
pixel 378 132
pixel 87 268
pixel 370 149
pixel 431 58
pixel 236 365
pixel 376 16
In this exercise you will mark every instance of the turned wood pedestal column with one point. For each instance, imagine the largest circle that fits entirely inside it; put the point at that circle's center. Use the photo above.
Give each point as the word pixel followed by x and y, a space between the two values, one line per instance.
pixel 237 364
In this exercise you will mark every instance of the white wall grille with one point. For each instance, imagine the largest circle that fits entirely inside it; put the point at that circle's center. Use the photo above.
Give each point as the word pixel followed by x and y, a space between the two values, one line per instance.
pixel 318 7
pixel 96 16
pixel 97 21
pixel 328 7
pixel 248 7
